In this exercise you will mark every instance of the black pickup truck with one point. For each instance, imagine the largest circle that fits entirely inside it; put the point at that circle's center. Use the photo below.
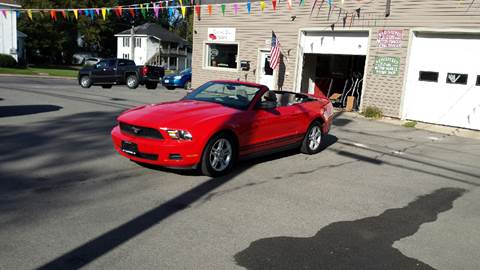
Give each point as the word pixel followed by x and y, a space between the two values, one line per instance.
pixel 114 71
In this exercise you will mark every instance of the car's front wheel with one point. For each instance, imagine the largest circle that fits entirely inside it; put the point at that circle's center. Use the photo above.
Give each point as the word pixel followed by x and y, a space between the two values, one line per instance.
pixel 312 143
pixel 132 81
pixel 85 81
pixel 219 156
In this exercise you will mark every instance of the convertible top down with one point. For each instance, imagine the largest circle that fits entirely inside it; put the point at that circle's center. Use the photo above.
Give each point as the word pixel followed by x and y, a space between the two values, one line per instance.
pixel 220 122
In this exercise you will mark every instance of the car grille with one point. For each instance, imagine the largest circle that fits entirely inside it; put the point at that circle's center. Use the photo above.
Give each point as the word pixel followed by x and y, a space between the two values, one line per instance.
pixel 140 131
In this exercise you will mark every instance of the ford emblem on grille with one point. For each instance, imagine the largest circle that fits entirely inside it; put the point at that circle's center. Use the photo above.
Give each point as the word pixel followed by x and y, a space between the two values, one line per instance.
pixel 136 130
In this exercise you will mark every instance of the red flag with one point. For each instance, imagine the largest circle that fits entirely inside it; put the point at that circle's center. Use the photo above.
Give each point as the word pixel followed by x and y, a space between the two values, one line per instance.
pixel 53 14
pixel 118 11
pixel 132 12
pixel 197 10
pixel 209 9
pixel 274 4
pixel 64 14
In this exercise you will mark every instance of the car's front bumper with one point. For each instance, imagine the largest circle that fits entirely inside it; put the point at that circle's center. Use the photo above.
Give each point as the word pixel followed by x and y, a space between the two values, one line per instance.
pixel 172 82
pixel 164 152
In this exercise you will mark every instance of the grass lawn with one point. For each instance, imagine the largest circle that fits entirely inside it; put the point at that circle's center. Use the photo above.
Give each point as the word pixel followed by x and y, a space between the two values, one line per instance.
pixel 57 71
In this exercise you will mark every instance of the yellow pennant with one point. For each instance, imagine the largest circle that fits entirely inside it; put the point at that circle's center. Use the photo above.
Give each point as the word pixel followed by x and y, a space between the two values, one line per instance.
pixel 184 11
pixel 75 12
pixel 262 5
pixel 29 12
pixel 104 13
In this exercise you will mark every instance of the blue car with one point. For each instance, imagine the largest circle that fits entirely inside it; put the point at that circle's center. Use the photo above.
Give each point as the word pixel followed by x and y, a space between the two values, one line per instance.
pixel 183 79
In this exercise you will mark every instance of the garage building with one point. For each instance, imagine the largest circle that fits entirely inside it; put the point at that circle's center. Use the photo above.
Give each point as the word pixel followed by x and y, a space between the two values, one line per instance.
pixel 416 60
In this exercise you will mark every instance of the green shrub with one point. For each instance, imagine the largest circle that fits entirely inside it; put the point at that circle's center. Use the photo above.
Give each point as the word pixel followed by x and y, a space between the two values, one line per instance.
pixel 7 60
pixel 410 124
pixel 372 112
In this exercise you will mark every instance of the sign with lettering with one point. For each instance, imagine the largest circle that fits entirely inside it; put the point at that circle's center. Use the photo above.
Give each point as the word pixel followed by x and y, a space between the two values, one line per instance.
pixel 386 65
pixel 390 38
pixel 221 34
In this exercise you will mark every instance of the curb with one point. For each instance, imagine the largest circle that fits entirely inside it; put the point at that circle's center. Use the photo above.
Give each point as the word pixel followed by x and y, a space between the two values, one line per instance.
pixel 455 131
pixel 37 76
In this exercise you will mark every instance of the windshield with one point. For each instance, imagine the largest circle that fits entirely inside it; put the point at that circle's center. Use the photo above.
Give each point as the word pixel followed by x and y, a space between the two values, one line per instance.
pixel 233 95
pixel 185 71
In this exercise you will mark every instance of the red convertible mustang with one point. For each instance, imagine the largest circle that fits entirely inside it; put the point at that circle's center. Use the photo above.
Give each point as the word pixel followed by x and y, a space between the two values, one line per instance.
pixel 220 122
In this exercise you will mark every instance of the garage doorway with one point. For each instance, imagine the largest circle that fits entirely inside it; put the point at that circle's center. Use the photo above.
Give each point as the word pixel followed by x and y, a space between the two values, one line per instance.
pixel 333 63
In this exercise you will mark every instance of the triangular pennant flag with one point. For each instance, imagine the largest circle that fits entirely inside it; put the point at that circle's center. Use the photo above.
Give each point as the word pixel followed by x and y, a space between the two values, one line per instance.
pixel 156 9
pixel 104 13
pixel 313 7
pixel 223 9
pixel 262 5
pixel 344 21
pixel 80 12
pixel 4 12
pixel 18 13
pixel 274 4
pixel 64 14
pixel 235 9
pixel 209 8
pixel 132 12
pixel 119 11
pixel 302 2
pixel 249 6
pixel 171 13
pixel 184 11
pixel 86 12
pixel 53 15
pixel 147 8
pixel 358 12
pixel 142 10
pixel 197 10
pixel 75 13
pixel 289 3
pixel 29 13
pixel 97 11
pixel 92 14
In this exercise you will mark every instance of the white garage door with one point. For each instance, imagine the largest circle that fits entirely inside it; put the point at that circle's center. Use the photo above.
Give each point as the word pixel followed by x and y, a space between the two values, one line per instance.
pixel 443 82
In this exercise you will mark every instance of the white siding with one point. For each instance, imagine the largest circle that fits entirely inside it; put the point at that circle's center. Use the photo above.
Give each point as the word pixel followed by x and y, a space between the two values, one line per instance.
pixel 140 52
pixel 8 33
pixel 153 46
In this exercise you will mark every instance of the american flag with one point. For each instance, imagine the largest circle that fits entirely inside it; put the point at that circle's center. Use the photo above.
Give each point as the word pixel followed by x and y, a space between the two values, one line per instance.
pixel 274 52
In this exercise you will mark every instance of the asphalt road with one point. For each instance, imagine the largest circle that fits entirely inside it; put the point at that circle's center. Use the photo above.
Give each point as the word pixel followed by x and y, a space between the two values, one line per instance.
pixel 379 197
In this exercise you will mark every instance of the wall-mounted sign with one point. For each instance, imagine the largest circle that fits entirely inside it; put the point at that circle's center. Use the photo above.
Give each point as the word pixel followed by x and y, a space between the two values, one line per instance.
pixel 386 65
pixel 221 34
pixel 390 38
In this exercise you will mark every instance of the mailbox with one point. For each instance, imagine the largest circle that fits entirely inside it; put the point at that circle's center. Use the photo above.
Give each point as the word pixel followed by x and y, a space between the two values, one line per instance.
pixel 245 65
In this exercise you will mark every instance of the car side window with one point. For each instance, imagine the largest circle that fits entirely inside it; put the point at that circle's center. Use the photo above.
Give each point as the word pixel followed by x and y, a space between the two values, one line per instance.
pixel 101 64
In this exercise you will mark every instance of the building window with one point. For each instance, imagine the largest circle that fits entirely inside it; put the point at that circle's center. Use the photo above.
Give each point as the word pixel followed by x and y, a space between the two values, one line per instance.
pixel 456 78
pixel 478 81
pixel 138 42
pixel 126 56
pixel 126 42
pixel 222 55
pixel 428 76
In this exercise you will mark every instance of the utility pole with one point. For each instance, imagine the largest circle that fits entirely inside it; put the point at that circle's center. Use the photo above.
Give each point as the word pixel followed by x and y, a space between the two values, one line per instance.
pixel 132 41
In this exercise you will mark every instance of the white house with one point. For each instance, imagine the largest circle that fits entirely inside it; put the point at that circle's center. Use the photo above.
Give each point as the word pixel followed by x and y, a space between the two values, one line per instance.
pixel 8 29
pixel 152 44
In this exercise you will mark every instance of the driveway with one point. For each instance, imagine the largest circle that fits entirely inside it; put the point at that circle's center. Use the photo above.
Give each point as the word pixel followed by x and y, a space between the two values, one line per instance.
pixel 379 196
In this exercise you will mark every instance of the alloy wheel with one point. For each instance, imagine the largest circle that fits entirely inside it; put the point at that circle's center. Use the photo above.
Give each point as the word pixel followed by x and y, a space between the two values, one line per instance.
pixel 220 155
pixel 314 138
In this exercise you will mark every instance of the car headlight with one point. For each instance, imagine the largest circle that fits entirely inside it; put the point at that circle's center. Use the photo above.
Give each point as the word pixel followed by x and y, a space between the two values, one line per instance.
pixel 179 134
pixel 177 77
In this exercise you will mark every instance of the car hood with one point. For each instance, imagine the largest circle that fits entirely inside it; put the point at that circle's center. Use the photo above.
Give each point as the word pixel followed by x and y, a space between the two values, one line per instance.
pixel 170 76
pixel 181 114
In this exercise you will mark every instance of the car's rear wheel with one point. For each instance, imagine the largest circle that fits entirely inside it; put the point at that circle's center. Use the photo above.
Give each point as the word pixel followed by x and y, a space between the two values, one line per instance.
pixel 312 143
pixel 219 156
pixel 151 85
pixel 132 81
pixel 107 86
pixel 85 81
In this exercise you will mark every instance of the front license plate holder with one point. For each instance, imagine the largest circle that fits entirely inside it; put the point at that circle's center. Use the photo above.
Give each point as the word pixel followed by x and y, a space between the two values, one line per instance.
pixel 129 148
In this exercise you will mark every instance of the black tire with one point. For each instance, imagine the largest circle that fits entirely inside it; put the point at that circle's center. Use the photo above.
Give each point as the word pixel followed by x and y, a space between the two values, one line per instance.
pixel 170 87
pixel 208 167
pixel 85 81
pixel 107 86
pixel 132 81
pixel 151 85
pixel 187 85
pixel 313 141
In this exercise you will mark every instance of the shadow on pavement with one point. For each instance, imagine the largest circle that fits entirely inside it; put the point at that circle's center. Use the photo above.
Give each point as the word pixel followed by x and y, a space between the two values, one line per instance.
pixel 360 244
pixel 8 111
